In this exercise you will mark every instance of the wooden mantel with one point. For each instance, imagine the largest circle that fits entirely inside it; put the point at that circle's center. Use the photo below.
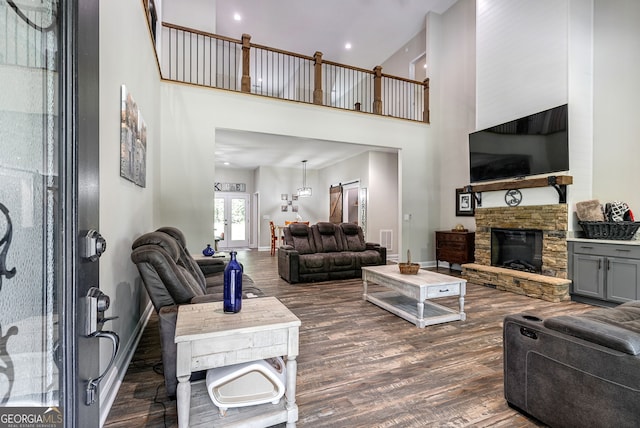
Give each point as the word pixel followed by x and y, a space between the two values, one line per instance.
pixel 559 182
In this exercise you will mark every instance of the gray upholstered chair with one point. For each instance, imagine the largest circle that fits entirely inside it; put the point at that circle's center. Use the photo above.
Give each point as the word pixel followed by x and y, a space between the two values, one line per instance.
pixel 575 371
pixel 172 278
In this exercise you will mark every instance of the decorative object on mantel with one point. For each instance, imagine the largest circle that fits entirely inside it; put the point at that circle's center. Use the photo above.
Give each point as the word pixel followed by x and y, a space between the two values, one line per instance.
pixel 465 203
pixel 615 221
pixel 513 197
pixel 459 228
pixel 589 210
pixel 208 252
pixel 409 268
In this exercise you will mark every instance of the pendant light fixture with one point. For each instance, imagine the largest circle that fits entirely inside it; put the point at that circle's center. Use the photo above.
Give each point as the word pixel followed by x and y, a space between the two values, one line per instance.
pixel 304 191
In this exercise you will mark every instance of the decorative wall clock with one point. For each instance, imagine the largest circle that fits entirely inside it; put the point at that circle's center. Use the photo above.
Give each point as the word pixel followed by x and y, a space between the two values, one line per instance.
pixel 513 197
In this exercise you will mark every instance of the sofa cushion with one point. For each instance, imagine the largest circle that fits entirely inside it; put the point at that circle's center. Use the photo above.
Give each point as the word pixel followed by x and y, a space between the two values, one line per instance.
pixel 343 260
pixel 313 263
pixel 326 237
pixel 299 236
pixel 353 237
pixel 616 328
pixel 368 258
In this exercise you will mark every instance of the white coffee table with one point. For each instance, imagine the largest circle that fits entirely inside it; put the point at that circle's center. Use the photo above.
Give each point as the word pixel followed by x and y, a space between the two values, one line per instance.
pixel 409 296
pixel 207 337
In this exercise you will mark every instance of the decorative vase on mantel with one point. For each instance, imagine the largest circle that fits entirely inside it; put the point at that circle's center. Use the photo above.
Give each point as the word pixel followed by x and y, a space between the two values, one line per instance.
pixel 208 252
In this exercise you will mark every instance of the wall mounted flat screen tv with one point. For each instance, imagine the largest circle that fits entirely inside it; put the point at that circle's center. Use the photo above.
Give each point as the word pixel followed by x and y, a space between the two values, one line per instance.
pixel 532 145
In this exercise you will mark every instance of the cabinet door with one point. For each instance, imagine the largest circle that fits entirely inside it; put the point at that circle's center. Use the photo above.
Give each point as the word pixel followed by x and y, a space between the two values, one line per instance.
pixel 622 279
pixel 588 275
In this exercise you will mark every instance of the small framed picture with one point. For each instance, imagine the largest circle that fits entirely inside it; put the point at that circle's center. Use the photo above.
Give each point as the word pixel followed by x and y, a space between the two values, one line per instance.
pixel 294 197
pixel 289 202
pixel 284 196
pixel 284 208
pixel 465 203
pixel 294 208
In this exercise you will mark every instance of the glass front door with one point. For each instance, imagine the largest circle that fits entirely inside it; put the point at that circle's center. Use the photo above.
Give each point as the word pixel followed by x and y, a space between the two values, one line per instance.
pixel 48 58
pixel 231 220
pixel 30 311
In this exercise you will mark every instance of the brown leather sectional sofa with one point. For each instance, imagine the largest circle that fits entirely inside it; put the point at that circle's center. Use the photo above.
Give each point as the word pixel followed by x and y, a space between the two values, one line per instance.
pixel 326 251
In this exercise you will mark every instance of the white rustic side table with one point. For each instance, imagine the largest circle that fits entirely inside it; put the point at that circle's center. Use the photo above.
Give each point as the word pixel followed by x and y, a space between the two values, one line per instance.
pixel 206 337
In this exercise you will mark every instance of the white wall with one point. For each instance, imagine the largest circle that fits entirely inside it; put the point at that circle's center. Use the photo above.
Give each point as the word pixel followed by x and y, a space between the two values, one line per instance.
pixel 126 210
pixel 274 181
pixel 451 57
pixel 191 115
pixel 521 58
pixel 616 110
pixel 522 67
pixel 398 64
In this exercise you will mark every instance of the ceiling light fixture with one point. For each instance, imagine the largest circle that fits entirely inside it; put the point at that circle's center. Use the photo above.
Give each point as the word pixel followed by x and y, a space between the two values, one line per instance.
pixel 237 17
pixel 347 46
pixel 304 191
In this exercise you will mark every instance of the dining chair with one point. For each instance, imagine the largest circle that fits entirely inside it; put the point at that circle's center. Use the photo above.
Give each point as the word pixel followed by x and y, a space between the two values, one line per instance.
pixel 274 238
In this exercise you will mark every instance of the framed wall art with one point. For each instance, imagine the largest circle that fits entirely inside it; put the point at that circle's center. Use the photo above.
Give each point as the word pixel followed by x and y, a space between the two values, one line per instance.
pixel 465 203
pixel 133 140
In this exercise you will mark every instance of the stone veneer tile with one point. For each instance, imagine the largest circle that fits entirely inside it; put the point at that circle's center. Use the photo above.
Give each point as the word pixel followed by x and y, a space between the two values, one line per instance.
pixel 553 284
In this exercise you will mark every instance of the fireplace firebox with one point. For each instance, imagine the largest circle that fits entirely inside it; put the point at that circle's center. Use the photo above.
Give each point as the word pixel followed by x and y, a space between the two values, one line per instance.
pixel 519 249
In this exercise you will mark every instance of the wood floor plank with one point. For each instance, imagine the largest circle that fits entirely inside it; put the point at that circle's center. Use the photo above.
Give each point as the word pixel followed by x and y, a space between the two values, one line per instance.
pixel 361 366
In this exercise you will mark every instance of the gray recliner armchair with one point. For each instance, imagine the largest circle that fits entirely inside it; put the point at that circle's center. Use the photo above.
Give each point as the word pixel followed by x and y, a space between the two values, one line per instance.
pixel 575 371
pixel 173 278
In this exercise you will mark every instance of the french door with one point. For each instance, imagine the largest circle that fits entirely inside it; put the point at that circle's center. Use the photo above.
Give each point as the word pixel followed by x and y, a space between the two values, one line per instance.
pixel 231 220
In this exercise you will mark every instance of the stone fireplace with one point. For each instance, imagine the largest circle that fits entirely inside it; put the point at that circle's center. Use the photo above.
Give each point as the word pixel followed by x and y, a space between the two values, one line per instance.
pixel 533 257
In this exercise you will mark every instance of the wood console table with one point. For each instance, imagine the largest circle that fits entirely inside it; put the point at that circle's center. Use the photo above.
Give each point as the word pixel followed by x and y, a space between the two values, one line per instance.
pixel 207 337
pixel 455 247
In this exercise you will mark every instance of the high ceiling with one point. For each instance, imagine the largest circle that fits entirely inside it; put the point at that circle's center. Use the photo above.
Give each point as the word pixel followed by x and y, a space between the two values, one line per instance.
pixel 376 29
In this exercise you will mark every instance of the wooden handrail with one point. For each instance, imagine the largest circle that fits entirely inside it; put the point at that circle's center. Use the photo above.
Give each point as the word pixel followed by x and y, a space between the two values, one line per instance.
pixel 365 92
pixel 280 51
pixel 349 67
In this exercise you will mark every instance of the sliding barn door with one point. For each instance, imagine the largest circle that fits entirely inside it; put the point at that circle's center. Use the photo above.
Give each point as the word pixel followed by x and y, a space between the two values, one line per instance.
pixel 335 204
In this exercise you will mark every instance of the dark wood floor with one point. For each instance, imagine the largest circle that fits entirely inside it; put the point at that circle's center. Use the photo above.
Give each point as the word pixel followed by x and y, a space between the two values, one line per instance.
pixel 360 366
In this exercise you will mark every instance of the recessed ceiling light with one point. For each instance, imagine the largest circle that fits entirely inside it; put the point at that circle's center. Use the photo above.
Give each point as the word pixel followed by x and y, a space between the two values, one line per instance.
pixel 237 17
pixel 226 163
pixel 347 46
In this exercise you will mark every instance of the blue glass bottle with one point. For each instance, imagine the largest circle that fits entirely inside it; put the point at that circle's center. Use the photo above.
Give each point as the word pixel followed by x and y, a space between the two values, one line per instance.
pixel 208 252
pixel 232 293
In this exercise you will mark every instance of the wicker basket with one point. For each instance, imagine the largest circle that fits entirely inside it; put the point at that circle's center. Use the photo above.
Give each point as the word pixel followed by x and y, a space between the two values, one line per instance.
pixel 409 268
pixel 616 230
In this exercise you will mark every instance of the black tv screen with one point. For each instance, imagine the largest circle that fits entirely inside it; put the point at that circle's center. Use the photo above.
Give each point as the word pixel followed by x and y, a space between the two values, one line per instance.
pixel 532 145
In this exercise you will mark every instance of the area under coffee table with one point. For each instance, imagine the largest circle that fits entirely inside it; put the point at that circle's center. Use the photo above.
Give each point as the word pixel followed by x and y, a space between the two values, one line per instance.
pixel 409 296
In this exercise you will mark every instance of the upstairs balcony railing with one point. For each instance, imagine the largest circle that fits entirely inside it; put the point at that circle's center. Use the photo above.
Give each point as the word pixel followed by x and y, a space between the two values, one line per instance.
pixel 238 65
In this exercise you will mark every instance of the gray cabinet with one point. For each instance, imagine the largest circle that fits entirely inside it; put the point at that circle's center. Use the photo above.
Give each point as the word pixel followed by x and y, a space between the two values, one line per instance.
pixel 604 273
